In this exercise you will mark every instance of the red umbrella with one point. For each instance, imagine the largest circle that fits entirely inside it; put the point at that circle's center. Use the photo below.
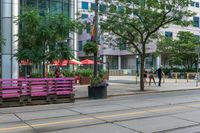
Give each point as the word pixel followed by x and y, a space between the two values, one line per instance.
pixel 74 62
pixel 88 62
pixel 25 62
pixel 65 62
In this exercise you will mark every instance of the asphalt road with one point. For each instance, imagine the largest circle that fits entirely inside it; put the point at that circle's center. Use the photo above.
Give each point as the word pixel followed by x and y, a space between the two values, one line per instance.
pixel 169 112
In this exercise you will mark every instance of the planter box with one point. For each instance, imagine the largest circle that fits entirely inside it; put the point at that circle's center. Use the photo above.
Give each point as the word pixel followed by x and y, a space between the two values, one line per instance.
pixel 97 92
pixel 85 80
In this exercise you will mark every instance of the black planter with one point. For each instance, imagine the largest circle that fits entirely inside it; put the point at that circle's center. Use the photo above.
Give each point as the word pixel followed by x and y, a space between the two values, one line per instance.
pixel 97 92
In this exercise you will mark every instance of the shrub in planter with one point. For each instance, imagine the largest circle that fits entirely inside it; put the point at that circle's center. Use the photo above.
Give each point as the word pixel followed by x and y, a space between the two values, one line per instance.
pixel 68 73
pixel 85 76
pixel 104 74
pixel 51 75
pixel 36 75
pixel 97 88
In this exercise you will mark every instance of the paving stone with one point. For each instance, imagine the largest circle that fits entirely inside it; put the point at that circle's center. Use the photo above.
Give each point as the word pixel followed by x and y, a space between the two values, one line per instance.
pixel 102 128
pixel 45 114
pixel 16 127
pixel 155 124
pixel 52 124
pixel 122 115
pixel 100 108
pixel 140 104
pixel 191 116
pixel 5 118
pixel 193 129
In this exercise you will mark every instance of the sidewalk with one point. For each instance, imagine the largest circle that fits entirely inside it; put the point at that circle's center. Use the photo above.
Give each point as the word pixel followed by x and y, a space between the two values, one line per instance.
pixel 126 85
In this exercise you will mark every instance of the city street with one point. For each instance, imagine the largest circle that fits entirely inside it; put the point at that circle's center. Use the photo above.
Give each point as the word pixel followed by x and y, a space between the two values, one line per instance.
pixel 176 111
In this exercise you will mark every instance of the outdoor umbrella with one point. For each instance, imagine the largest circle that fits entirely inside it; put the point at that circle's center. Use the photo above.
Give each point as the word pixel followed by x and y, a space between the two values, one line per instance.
pixel 65 62
pixel 88 62
pixel 24 62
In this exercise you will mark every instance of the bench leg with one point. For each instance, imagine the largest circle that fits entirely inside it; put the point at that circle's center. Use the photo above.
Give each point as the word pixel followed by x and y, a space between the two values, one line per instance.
pixel 29 99
pixel 21 100
pixel 1 101
pixel 51 98
pixel 48 99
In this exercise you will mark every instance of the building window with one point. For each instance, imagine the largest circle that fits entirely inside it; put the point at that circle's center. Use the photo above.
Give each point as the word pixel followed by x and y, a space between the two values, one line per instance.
pixel 51 6
pixel 197 4
pixel 196 21
pixel 85 5
pixel 80 45
pixel 192 3
pixel 120 8
pixel 168 34
pixel 102 8
pixel 93 6
pixel 84 16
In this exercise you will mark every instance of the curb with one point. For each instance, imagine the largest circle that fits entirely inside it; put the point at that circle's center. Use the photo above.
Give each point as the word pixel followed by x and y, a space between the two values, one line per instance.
pixel 142 92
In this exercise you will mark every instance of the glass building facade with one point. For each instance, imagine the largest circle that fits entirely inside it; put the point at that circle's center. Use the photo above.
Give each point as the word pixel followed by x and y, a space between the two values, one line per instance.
pixel 0 36
pixel 9 9
pixel 51 6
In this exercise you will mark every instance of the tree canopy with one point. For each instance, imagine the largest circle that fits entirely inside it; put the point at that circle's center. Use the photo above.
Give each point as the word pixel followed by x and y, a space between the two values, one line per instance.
pixel 138 21
pixel 180 51
pixel 44 37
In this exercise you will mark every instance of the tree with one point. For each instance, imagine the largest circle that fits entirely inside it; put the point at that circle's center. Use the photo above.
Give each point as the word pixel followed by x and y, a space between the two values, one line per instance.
pixel 44 38
pixel 138 21
pixel 180 51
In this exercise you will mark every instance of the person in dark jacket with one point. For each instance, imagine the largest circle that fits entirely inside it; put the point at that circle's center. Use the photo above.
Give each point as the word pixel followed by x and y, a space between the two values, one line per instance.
pixel 160 73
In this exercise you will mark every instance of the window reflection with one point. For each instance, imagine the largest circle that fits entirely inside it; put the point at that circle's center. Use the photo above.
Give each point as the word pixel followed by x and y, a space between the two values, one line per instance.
pixel 51 6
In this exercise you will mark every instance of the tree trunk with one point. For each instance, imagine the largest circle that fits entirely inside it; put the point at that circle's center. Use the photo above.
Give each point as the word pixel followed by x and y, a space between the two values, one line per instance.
pixel 43 67
pixel 95 65
pixel 96 35
pixel 142 73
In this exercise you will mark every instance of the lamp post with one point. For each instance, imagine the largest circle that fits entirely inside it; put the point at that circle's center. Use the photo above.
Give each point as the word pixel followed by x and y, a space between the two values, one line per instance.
pixel 197 71
pixel 197 50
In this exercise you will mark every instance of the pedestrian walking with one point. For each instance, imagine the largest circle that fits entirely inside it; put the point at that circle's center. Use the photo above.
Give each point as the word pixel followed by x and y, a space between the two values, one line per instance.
pixel 160 73
pixel 145 76
pixel 151 76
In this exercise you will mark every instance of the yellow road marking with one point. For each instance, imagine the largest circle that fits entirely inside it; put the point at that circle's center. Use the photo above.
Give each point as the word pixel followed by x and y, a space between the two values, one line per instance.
pixel 193 105
pixel 63 122
pixel 124 114
pixel 47 124
pixel 13 128
pixel 166 109
pixel 100 117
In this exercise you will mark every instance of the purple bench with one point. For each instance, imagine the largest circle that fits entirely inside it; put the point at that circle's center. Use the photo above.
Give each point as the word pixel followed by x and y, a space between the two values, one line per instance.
pixel 35 88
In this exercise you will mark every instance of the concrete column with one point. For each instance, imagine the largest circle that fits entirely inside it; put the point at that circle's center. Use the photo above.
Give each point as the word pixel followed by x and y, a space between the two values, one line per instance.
pixel 158 61
pixel 15 13
pixel 9 30
pixel 74 36
pixel 119 62
pixel 105 62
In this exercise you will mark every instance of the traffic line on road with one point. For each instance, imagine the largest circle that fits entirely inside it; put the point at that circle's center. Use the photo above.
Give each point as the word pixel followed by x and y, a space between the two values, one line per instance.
pixel 47 124
pixel 101 117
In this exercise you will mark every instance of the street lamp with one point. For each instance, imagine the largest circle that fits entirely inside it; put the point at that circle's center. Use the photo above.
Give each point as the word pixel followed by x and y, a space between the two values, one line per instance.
pixel 137 73
pixel 197 50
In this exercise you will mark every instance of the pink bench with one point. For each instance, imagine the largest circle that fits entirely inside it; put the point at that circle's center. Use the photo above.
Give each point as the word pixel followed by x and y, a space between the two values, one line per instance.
pixel 35 88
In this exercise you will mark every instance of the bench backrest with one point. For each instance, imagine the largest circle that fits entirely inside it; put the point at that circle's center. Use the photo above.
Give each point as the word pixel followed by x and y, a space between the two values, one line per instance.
pixel 13 88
